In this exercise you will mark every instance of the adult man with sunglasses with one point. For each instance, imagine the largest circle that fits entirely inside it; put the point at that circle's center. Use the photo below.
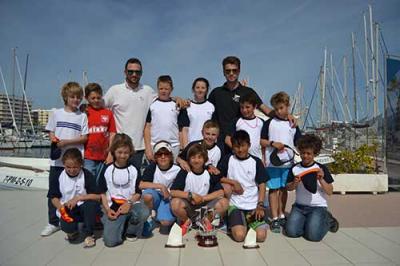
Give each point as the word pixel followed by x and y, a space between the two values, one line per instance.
pixel 130 101
pixel 226 98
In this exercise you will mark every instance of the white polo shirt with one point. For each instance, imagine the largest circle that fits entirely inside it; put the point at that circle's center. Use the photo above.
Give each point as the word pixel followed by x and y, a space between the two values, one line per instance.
pixel 130 107
pixel 198 113
pixel 154 174
pixel 203 183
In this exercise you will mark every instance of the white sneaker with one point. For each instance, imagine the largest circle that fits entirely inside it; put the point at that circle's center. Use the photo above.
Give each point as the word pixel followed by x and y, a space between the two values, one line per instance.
pixel 49 229
pixel 131 238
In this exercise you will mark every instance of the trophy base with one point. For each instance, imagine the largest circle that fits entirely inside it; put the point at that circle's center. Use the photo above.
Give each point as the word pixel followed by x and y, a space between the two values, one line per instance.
pixel 251 247
pixel 173 246
pixel 208 241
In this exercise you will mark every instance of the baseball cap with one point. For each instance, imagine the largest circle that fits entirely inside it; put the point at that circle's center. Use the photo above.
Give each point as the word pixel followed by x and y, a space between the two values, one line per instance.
pixel 162 144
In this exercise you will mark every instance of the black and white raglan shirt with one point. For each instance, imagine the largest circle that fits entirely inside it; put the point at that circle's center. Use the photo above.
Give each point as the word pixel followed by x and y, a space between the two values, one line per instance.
pixel 67 187
pixel 203 183
pixel 249 172
pixel 253 127
pixel 279 130
pixel 166 121
pixel 120 183
pixel 154 174
pixel 215 153
pixel 197 114
pixel 305 197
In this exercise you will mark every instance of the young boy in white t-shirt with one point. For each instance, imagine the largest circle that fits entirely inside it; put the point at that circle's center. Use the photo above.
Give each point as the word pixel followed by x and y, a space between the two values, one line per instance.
pixel 312 181
pixel 164 121
pixel 68 128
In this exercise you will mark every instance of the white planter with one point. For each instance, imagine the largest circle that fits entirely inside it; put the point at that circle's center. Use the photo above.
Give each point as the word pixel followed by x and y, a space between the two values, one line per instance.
pixel 360 183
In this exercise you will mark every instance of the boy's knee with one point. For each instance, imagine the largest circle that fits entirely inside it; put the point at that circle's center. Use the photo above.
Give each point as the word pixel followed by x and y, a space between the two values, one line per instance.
pixel 227 190
pixel 314 236
pixel 111 242
pixel 261 235
pixel 148 198
pixel 222 205
pixel 238 235
pixel 176 204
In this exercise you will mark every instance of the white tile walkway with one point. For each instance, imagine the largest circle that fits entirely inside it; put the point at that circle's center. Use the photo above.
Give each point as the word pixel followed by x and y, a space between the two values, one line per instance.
pixel 23 215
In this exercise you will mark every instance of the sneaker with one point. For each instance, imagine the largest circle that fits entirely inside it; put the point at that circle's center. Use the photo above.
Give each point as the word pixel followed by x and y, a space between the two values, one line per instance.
pixel 186 226
pixel 71 237
pixel 131 237
pixel 49 230
pixel 148 228
pixel 275 226
pixel 282 221
pixel 334 224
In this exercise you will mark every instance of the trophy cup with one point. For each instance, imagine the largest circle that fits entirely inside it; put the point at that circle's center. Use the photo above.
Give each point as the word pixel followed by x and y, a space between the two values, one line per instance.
pixel 206 221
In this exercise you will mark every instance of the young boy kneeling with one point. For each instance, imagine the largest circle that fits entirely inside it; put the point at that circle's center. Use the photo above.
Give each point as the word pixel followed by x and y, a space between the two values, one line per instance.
pixel 75 196
pixel 156 182
pixel 312 181
pixel 192 190
pixel 246 174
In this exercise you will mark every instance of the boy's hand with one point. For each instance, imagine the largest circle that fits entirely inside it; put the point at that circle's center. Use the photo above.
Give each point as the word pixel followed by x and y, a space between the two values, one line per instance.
pixel 278 145
pixel 320 174
pixel 260 212
pixel 213 170
pixel 185 166
pixel 182 103
pixel 72 202
pixel 109 158
pixel 296 180
pixel 196 199
pixel 165 192
pixel 149 155
pixel 292 121
pixel 111 214
pixel 124 208
pixel 61 144
pixel 237 188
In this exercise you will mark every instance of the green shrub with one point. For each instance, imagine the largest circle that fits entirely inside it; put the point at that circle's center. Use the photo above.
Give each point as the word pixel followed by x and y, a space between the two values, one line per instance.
pixel 358 161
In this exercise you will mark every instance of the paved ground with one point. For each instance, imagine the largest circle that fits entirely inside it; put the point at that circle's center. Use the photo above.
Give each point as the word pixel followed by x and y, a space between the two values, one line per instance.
pixel 23 215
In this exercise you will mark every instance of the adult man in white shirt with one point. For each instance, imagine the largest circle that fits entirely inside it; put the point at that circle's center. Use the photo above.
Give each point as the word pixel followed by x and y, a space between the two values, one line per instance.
pixel 130 102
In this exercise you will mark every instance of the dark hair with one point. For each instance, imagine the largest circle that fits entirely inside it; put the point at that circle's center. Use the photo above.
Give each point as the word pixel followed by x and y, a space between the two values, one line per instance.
pixel 309 141
pixel 133 60
pixel 240 137
pixel 203 80
pixel 280 97
pixel 197 149
pixel 121 140
pixel 231 60
pixel 93 87
pixel 250 98
pixel 73 154
pixel 166 79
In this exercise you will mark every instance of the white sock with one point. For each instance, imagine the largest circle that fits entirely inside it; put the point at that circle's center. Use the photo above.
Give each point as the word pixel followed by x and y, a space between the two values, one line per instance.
pixel 282 216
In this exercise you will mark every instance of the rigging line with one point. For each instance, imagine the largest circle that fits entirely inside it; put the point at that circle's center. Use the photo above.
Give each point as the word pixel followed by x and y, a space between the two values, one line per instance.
pixel 343 96
pixel 383 40
pixel 333 105
pixel 312 99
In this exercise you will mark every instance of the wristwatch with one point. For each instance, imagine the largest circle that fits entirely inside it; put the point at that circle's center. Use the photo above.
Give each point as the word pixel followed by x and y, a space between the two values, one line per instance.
pixel 190 196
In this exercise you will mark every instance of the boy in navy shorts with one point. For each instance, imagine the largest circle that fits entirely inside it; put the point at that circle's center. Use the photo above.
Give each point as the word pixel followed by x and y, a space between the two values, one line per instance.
pixel 279 138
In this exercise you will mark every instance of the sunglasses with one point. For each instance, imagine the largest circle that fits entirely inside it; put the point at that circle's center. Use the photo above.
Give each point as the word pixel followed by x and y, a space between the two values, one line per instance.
pixel 131 72
pixel 161 153
pixel 233 71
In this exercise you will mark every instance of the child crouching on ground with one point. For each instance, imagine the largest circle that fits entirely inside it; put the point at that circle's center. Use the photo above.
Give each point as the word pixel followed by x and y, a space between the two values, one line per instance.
pixel 156 182
pixel 119 182
pixel 74 194
pixel 312 181
pixel 192 190
pixel 246 174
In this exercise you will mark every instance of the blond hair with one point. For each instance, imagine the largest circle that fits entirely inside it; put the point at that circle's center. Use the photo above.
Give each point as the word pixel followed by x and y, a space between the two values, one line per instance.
pixel 69 89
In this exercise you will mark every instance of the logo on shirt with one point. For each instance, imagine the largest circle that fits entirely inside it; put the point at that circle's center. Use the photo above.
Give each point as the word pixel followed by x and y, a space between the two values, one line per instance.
pixel 236 98
pixel 104 118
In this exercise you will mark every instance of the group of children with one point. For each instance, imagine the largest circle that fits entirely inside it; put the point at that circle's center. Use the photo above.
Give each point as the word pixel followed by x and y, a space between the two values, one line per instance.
pixel 182 175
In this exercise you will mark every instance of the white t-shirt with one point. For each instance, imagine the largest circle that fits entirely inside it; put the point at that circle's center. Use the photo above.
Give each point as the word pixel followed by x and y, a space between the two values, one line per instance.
pixel 165 122
pixel 281 131
pixel 67 125
pixel 120 183
pixel 198 113
pixel 130 107
pixel 305 197
pixel 154 174
pixel 203 183
pixel 253 128
pixel 214 153
pixel 249 173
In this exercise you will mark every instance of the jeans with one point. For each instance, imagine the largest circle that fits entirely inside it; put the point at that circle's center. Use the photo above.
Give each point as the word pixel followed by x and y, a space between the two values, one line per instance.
pixel 86 213
pixel 93 166
pixel 137 159
pixel 310 222
pixel 160 205
pixel 54 174
pixel 130 223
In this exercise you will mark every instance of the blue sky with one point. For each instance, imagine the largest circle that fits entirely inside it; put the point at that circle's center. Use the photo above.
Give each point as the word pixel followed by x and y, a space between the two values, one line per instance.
pixel 280 43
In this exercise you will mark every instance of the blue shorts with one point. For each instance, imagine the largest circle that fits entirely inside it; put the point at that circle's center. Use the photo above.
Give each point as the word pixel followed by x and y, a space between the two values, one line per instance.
pixel 160 205
pixel 277 177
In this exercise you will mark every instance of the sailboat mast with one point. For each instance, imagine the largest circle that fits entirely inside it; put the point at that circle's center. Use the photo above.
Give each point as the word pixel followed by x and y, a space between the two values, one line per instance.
pixel 373 59
pixel 9 103
pixel 376 110
pixel 323 90
pixel 353 45
pixel 366 64
pixel 13 81
pixel 23 95
pixel 346 96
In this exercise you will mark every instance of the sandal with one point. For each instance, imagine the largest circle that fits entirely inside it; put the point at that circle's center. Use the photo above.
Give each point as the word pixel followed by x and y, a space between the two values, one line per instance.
pixel 89 242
